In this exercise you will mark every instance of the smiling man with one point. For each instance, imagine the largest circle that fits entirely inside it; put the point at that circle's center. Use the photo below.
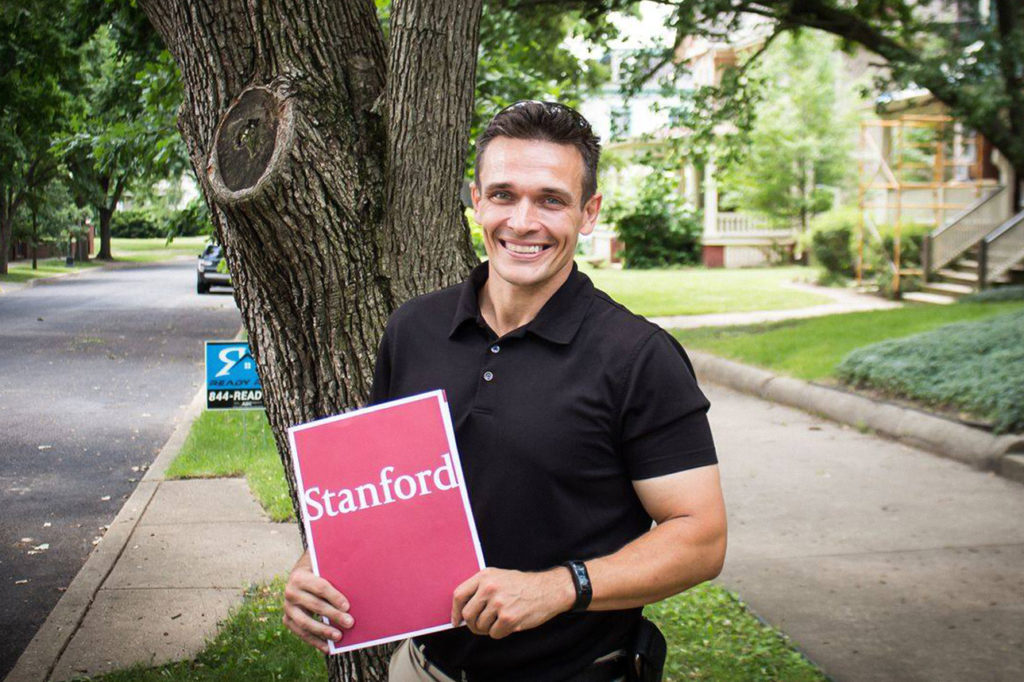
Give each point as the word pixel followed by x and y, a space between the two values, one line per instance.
pixel 578 423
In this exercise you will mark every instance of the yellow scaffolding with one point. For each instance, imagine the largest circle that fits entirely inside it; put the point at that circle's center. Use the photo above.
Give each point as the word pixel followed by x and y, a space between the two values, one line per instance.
pixel 933 142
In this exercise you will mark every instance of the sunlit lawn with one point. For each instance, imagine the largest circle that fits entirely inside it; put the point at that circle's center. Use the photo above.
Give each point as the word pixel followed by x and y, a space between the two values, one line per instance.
pixel 124 250
pixel 697 290
pixel 811 349
pixel 21 271
pixel 157 249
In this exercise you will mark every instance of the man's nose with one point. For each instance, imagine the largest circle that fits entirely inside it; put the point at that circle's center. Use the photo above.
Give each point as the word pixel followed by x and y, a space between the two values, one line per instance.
pixel 523 216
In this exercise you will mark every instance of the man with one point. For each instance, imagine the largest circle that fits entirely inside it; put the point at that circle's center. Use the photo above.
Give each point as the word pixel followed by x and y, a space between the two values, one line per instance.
pixel 578 423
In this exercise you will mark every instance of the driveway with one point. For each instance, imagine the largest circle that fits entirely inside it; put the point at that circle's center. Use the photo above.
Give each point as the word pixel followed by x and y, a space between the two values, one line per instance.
pixel 94 372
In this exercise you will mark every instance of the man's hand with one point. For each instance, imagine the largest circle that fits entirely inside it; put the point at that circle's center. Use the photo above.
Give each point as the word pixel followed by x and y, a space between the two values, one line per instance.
pixel 307 597
pixel 497 602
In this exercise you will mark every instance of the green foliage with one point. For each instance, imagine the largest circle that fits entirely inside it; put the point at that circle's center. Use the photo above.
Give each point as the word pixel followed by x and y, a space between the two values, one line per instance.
pixel 975 366
pixel 970 61
pixel 476 234
pixel 996 295
pixel 191 221
pixel 829 242
pixel 656 228
pixel 800 141
pixel 49 216
pixel 522 55
pixel 712 635
pixel 136 224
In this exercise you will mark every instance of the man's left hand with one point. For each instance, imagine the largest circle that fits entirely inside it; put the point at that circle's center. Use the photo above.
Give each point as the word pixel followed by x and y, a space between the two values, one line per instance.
pixel 497 602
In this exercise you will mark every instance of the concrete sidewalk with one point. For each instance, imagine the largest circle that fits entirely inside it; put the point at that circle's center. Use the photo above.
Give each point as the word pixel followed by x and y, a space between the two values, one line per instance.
pixel 882 562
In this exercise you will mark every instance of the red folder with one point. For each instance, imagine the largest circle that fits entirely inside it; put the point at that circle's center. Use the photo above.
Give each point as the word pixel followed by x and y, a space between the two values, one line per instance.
pixel 387 516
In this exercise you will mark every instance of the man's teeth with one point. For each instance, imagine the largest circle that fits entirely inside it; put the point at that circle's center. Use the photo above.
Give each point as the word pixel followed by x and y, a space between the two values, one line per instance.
pixel 518 248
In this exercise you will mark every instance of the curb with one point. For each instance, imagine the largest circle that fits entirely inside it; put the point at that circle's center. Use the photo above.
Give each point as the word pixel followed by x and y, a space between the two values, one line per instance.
pixel 38 660
pixel 920 429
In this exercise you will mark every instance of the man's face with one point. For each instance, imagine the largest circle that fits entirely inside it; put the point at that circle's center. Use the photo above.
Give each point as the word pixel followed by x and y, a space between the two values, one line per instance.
pixel 527 198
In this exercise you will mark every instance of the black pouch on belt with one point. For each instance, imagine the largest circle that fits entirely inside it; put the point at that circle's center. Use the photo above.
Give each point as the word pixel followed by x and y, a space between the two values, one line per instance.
pixel 648 654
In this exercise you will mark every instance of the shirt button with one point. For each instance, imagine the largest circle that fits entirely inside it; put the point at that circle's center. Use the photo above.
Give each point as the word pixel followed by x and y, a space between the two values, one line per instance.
pixel 495 348
pixel 488 375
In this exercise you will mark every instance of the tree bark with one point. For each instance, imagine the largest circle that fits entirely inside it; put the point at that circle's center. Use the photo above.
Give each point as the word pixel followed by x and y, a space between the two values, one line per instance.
pixel 331 166
pixel 105 214
pixel 6 228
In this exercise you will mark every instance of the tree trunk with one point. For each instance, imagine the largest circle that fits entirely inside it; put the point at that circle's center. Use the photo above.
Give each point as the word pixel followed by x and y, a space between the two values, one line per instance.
pixel 105 215
pixel 6 229
pixel 35 240
pixel 333 187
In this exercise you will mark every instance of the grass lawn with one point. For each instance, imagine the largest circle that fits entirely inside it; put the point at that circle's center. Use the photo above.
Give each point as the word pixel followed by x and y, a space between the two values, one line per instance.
pixel 711 636
pixel 21 271
pixel 236 443
pixel 812 348
pixel 126 250
pixel 695 291
pixel 156 249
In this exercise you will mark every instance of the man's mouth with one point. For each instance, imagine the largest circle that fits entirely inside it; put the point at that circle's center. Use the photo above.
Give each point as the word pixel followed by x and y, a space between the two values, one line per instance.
pixel 524 249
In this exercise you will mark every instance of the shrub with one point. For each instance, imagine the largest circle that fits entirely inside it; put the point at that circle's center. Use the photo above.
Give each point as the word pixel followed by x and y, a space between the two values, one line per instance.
pixel 136 224
pixel 829 242
pixel 974 366
pixel 659 238
pixel 1010 293
pixel 657 229
pixel 191 221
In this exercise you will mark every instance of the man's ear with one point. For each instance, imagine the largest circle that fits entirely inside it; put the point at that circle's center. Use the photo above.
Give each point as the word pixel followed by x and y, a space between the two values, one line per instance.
pixel 474 194
pixel 591 209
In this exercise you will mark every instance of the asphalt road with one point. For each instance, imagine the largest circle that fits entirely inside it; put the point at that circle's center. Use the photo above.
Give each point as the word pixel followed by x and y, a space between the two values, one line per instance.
pixel 94 371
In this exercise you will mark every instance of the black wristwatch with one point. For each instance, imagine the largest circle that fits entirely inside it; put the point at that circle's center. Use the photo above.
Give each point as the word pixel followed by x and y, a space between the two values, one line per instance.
pixel 581 581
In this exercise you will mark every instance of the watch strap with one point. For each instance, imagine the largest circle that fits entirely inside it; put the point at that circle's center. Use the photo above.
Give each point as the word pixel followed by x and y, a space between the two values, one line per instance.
pixel 581 581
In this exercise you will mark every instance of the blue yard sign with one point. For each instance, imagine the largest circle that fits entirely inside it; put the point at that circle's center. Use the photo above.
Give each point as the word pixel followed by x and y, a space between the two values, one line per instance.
pixel 231 379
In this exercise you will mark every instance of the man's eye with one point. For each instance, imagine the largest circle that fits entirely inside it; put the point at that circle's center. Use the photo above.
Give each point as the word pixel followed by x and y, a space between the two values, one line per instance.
pixel 500 196
pixel 554 201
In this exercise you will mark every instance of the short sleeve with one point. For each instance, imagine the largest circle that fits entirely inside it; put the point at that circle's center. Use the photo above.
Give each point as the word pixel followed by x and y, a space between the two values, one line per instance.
pixel 663 425
pixel 381 390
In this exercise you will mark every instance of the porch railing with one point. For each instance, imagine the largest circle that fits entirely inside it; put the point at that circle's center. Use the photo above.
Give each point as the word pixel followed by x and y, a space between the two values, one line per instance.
pixel 1001 250
pixel 964 230
pixel 738 224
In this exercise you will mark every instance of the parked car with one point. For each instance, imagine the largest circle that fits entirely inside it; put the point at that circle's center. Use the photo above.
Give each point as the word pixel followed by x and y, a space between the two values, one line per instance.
pixel 212 269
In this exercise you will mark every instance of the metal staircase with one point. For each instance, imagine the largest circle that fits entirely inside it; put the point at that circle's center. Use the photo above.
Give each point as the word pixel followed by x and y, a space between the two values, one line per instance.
pixel 977 249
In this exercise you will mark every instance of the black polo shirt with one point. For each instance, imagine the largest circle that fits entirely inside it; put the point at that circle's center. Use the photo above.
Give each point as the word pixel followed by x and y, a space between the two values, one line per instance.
pixel 553 421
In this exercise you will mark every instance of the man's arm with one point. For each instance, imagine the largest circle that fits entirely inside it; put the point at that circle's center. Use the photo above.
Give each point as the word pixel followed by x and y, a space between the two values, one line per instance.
pixel 685 548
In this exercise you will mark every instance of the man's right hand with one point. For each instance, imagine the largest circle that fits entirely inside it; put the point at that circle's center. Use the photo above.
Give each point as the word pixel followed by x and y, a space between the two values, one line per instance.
pixel 307 597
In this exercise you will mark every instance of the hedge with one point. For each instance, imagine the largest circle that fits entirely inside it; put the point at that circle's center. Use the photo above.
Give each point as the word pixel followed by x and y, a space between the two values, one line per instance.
pixel 974 366
pixel 996 294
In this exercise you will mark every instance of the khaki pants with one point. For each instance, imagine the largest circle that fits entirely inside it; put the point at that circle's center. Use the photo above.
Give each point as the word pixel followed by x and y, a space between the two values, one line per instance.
pixel 409 665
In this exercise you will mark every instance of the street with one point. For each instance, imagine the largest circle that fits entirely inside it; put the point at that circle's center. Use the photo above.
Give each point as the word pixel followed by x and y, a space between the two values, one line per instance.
pixel 94 372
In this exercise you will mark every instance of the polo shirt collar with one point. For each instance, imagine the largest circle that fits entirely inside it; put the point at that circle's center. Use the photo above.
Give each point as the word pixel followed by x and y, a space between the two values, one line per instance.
pixel 559 319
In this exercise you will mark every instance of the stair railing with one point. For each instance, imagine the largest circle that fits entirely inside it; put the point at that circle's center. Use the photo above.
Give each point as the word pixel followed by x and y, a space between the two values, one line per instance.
pixel 1001 250
pixel 962 231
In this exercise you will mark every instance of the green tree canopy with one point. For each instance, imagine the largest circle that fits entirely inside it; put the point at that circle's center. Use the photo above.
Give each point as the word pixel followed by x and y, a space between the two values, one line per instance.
pixel 802 134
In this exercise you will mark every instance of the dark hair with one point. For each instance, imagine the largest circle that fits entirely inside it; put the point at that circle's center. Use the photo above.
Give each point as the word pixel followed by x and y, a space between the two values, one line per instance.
pixel 549 122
